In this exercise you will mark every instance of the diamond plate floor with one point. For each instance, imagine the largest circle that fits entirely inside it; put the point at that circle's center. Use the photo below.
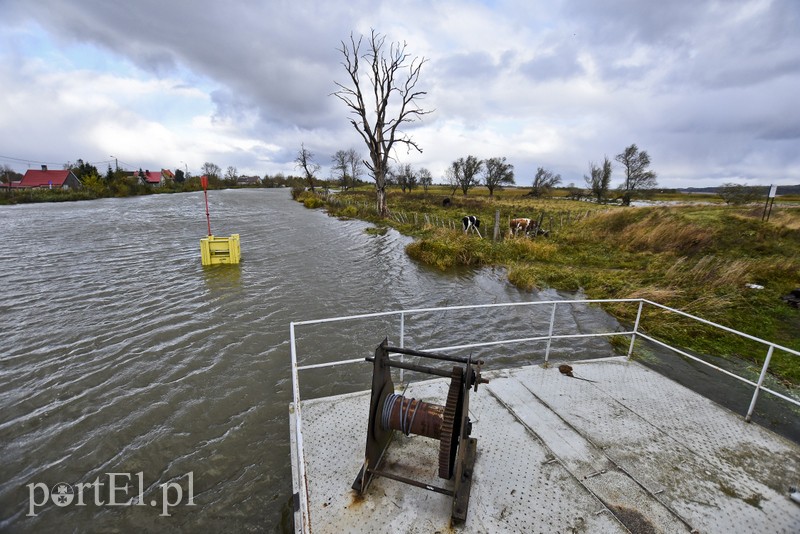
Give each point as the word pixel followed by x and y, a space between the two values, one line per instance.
pixel 630 452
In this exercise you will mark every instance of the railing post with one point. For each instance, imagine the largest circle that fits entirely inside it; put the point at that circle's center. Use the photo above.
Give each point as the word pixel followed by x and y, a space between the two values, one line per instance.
pixel 550 335
pixel 760 382
pixel 635 329
pixel 402 340
pixel 301 461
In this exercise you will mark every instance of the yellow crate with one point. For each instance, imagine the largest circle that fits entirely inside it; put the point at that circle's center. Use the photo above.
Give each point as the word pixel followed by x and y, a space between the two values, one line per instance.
pixel 218 250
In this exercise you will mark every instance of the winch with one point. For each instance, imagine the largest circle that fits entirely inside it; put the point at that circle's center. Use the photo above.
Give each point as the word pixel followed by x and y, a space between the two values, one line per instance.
pixel 449 424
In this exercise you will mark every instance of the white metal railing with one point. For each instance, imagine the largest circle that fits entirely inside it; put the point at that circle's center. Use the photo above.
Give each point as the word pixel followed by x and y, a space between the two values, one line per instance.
pixel 634 333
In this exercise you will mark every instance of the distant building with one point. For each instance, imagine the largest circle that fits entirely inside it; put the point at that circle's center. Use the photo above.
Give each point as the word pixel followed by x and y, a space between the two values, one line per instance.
pixel 247 180
pixel 49 179
pixel 155 178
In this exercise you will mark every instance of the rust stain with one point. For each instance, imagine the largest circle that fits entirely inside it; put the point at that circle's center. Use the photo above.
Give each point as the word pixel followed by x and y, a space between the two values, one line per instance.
pixel 356 500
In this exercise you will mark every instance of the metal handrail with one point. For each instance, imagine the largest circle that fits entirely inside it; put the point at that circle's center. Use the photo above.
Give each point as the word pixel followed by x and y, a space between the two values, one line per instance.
pixel 636 331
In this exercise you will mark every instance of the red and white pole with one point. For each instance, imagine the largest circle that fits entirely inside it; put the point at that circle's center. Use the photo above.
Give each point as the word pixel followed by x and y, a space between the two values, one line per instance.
pixel 204 183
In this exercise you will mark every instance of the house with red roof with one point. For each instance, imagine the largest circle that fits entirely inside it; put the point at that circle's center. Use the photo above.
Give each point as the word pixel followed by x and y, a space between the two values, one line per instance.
pixel 49 179
pixel 155 178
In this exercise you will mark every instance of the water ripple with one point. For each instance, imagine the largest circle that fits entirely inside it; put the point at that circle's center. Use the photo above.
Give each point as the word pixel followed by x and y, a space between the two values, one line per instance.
pixel 123 354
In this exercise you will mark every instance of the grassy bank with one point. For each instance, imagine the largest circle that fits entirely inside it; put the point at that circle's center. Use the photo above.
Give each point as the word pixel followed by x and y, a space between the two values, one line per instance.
pixel 699 259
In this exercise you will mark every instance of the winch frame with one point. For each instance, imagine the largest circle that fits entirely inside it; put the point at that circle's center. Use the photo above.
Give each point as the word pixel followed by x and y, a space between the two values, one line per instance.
pixel 449 424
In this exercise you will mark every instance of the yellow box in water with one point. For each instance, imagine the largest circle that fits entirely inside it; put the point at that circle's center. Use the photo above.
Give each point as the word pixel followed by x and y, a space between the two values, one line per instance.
pixel 217 250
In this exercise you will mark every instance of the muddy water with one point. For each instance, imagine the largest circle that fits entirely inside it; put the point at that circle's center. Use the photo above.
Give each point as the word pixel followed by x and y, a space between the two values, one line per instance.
pixel 160 388
pixel 122 354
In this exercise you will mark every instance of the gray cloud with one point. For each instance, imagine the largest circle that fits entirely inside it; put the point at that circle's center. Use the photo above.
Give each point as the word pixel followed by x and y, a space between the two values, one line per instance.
pixel 707 88
pixel 561 63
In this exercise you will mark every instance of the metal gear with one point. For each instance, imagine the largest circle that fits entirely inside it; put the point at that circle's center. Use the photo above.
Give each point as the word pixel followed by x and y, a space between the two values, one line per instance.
pixel 451 425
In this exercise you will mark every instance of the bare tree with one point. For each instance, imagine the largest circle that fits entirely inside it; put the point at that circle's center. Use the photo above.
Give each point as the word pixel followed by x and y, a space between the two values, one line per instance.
pixel 465 172
pixel 392 80
pixel 425 178
pixel 452 179
pixel 304 161
pixel 637 177
pixel 231 174
pixel 355 166
pixel 599 179
pixel 406 177
pixel 496 173
pixel 543 182
pixel 340 168
pixel 212 170
pixel 347 167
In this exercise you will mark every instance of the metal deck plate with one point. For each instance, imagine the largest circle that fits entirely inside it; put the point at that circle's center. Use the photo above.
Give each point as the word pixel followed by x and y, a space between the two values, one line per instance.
pixel 632 451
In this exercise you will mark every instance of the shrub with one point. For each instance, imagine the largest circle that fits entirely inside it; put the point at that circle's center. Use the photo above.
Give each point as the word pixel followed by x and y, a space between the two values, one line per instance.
pixel 297 191
pixel 313 201
pixel 349 211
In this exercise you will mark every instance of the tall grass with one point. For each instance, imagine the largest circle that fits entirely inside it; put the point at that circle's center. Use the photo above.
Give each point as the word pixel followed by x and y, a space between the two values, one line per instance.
pixel 701 259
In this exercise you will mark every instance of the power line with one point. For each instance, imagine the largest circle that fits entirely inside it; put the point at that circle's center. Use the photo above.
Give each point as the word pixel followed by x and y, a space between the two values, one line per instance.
pixel 30 162
pixel 33 161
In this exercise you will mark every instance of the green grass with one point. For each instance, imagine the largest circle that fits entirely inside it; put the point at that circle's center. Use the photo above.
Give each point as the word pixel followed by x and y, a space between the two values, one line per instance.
pixel 698 259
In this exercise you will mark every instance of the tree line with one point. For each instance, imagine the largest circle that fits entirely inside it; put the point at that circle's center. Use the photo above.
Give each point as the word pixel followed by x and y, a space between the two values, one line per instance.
pixel 384 95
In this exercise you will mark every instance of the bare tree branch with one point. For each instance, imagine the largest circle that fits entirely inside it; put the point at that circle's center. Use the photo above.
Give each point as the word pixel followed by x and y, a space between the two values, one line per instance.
pixel 394 100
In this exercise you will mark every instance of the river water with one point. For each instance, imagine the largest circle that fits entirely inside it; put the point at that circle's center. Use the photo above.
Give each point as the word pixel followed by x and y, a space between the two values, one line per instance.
pixel 122 354
pixel 126 363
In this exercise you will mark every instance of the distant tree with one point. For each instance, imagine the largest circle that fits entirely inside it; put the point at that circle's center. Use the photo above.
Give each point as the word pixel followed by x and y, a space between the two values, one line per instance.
pixel 465 172
pixel 339 169
pixel 5 173
pixel 81 169
pixel 8 175
pixel 94 184
pixel 212 170
pixel 637 176
pixel 451 179
pixel 231 175
pixel 395 101
pixel 305 162
pixel 543 182
pixel 425 178
pixel 391 176
pixel 738 194
pixel 496 173
pixel 355 165
pixel 406 177
pixel 280 180
pixel 347 168
pixel 179 176
pixel 599 180
pixel 574 193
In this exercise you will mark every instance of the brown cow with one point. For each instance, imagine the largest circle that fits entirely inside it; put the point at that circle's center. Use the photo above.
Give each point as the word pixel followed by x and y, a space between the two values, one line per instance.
pixel 520 224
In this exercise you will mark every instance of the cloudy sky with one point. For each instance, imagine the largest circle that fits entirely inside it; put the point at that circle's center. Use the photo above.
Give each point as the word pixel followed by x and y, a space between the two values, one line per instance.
pixel 710 89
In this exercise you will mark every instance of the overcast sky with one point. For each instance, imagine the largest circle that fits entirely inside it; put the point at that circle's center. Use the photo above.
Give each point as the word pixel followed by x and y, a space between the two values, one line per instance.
pixel 708 88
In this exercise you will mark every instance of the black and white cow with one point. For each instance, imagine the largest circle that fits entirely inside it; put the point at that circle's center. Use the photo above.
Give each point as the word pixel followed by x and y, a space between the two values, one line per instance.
pixel 470 222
